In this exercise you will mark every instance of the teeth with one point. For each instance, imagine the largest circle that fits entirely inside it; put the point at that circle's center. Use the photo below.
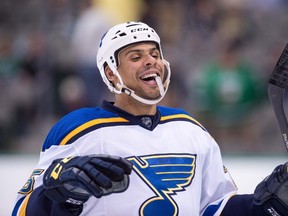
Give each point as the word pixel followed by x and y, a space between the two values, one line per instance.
pixel 148 76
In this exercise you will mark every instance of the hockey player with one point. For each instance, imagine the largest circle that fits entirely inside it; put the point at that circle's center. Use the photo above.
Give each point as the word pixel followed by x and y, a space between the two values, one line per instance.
pixel 133 157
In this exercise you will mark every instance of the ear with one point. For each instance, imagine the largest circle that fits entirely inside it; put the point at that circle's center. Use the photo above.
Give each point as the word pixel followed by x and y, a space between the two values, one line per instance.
pixel 109 74
pixel 113 79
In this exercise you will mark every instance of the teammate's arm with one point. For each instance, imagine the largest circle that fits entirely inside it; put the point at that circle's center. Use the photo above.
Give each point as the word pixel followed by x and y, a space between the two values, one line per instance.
pixel 270 197
pixel 39 204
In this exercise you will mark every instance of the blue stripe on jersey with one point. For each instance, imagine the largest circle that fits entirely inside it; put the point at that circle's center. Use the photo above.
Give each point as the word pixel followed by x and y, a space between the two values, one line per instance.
pixel 165 111
pixel 71 121
pixel 173 114
pixel 90 126
pixel 212 209
pixel 17 205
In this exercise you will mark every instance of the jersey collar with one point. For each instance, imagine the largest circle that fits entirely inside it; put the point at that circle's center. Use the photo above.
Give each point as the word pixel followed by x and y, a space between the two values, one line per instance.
pixel 148 122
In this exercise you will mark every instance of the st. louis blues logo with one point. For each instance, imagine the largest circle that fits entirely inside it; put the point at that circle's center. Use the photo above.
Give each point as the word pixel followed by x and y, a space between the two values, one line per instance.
pixel 165 174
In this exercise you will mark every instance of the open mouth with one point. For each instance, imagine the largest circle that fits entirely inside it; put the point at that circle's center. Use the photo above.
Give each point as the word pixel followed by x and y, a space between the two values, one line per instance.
pixel 153 79
pixel 149 77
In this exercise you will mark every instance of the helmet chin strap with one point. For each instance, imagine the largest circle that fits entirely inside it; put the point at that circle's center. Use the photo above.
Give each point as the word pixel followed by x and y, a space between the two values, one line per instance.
pixel 163 87
pixel 130 92
pixel 160 85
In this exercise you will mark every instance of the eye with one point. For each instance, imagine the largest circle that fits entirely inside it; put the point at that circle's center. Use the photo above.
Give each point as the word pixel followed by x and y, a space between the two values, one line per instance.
pixel 135 57
pixel 155 55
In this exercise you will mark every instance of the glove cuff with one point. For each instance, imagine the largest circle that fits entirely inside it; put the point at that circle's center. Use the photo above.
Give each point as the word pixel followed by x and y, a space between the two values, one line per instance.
pixel 57 195
pixel 274 207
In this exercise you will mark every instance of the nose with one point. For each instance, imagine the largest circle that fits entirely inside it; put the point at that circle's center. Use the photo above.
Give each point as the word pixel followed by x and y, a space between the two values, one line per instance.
pixel 149 60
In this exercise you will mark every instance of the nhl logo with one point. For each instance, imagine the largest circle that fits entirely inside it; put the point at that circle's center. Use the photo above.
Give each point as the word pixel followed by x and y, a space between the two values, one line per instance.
pixel 147 121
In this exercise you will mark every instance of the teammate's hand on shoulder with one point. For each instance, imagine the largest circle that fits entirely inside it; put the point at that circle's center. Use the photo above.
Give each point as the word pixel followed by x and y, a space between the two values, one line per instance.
pixel 75 179
pixel 272 193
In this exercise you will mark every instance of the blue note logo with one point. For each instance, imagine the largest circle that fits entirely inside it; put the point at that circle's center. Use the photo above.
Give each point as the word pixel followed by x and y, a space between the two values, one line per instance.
pixel 166 175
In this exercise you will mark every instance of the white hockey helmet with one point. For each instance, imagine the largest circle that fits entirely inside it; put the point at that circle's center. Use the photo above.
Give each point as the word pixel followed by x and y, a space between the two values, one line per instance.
pixel 119 37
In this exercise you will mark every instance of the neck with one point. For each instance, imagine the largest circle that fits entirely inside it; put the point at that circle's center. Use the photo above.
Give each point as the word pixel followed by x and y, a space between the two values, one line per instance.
pixel 133 106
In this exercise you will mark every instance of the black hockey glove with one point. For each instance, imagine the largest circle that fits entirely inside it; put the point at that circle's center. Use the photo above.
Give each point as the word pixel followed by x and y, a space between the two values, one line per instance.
pixel 74 179
pixel 272 193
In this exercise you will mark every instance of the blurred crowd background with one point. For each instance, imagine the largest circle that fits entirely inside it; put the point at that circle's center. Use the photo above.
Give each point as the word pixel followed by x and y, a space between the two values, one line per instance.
pixel 221 53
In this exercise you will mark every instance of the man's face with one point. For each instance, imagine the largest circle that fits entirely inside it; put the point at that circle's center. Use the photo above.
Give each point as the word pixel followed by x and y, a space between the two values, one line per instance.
pixel 139 64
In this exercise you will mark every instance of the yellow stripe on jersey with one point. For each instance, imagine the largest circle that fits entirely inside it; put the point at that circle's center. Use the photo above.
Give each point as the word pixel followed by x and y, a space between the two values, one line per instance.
pixel 90 124
pixel 163 118
pixel 22 211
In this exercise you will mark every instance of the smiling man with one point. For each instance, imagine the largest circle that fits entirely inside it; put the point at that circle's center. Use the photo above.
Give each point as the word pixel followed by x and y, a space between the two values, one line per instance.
pixel 134 157
pixel 140 66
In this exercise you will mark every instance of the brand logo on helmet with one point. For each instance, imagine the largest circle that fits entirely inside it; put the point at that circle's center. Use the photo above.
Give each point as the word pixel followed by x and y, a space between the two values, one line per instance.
pixel 139 29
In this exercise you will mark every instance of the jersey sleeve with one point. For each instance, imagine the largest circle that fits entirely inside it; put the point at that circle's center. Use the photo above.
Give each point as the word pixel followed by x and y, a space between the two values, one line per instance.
pixel 220 191
pixel 59 143
pixel 217 184
pixel 27 192
pixel 51 150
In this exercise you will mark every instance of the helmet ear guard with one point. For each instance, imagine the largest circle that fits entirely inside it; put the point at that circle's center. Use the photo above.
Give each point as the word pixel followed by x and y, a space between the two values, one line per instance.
pixel 116 39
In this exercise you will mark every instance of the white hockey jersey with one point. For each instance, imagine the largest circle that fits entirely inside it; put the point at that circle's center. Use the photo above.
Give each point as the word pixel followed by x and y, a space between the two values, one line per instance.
pixel 177 165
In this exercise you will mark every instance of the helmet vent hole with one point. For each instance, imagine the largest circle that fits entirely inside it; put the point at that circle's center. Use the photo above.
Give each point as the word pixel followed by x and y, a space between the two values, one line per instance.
pixel 122 34
pixel 149 36
pixel 135 37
